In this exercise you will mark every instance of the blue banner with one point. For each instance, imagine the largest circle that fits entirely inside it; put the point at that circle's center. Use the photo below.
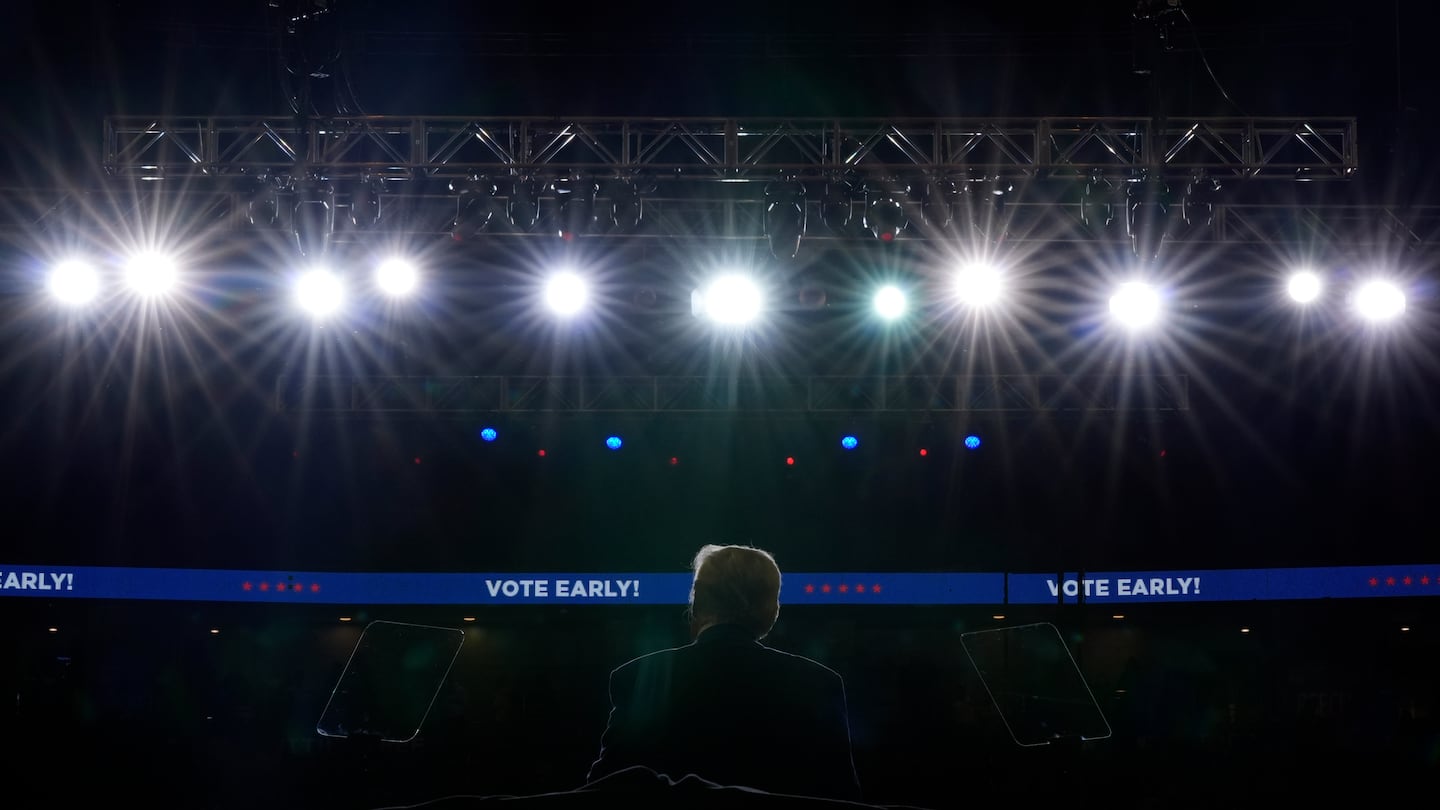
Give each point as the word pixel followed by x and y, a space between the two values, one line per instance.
pixel 1223 585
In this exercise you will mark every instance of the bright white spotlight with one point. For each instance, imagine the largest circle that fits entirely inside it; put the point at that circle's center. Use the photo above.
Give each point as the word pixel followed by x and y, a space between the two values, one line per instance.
pixel 978 285
pixel 734 300
pixel 1379 300
pixel 565 293
pixel 320 292
pixel 151 274
pixel 890 302
pixel 74 282
pixel 396 277
pixel 1303 287
pixel 1135 305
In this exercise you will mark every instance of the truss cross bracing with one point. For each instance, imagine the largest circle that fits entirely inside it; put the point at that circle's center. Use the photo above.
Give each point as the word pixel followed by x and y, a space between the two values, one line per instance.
pixel 731 149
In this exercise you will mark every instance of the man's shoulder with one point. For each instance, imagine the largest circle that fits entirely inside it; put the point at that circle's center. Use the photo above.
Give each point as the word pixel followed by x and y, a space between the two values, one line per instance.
pixel 779 659
pixel 647 662
pixel 800 663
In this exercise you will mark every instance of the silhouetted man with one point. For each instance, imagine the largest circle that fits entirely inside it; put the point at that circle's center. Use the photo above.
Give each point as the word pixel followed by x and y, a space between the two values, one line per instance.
pixel 725 707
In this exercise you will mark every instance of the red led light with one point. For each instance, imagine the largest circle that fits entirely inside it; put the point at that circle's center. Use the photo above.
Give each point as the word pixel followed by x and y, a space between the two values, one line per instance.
pixel 859 589
pixel 264 586
pixel 246 586
pixel 809 589
pixel 844 588
pixel 1374 582
pixel 1389 581
pixel 417 459
pixel 924 452
pixel 1424 580
pixel 314 587
pixel 825 588
pixel 541 454
pixel 674 462
pixel 279 586
pixel 875 588
pixel 1408 581
pixel 887 237
pixel 790 461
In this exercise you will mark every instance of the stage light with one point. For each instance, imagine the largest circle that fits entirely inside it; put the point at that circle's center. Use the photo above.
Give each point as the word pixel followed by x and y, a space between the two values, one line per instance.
pixel 1379 300
pixel 1303 287
pixel 785 218
pixel 74 282
pixel 475 206
pixel 565 293
pixel 396 277
pixel 150 274
pixel 978 285
pixel 576 197
pixel 733 300
pixel 849 442
pixel 1135 305
pixel 613 443
pixel 320 292
pixel 488 434
pixel 523 207
pixel 972 442
pixel 312 220
pixel 890 302
pixel 884 216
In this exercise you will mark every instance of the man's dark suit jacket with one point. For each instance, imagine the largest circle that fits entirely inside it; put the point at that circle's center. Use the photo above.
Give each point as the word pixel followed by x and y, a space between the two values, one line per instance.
pixel 735 712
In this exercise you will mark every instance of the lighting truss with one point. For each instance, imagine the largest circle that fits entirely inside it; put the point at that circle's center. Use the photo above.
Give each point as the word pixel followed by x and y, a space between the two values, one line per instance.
pixel 734 150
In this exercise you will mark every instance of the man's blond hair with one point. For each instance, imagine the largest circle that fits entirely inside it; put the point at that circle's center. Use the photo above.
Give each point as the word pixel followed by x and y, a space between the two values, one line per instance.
pixel 736 585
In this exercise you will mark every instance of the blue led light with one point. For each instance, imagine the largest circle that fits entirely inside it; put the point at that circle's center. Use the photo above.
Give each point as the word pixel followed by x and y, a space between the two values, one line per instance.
pixel 613 442
pixel 488 434
pixel 972 442
pixel 849 442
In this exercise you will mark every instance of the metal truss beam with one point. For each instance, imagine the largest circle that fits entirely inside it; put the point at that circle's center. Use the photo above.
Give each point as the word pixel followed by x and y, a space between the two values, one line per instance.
pixel 707 395
pixel 733 150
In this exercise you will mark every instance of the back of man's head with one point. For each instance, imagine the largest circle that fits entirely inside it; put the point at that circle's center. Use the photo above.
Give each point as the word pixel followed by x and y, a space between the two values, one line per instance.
pixel 736 585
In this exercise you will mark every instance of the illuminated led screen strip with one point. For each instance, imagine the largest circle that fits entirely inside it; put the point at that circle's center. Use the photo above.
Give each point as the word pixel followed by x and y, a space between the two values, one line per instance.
pixel 210 585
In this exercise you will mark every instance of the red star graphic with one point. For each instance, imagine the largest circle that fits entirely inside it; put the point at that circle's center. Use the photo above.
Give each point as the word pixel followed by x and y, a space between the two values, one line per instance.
pixel 875 588
pixel 264 586
pixel 247 586
pixel 844 588
pixel 825 588
pixel 1374 582
pixel 1408 581
pixel 859 589
pixel 1425 580
pixel 314 587
pixel 1389 581
pixel 279 586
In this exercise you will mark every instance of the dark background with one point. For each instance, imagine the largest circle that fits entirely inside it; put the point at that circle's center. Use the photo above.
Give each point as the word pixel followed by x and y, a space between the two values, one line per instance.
pixel 157 442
